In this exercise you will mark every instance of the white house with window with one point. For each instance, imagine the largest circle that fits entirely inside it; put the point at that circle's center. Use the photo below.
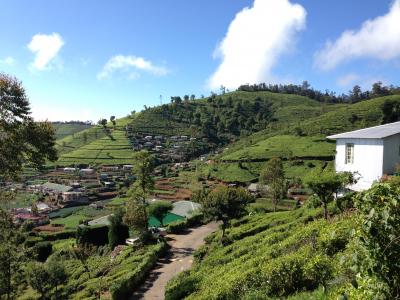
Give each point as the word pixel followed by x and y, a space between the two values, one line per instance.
pixel 372 152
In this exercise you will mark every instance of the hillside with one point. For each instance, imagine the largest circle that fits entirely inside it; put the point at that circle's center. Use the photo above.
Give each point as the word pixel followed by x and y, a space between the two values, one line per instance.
pixel 268 256
pixel 302 145
pixel 97 145
pixel 218 119
pixel 66 129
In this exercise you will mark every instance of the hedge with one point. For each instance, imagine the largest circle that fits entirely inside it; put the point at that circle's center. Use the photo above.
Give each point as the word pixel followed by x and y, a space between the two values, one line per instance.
pixel 123 288
pixel 61 235
pixel 181 225
pixel 95 235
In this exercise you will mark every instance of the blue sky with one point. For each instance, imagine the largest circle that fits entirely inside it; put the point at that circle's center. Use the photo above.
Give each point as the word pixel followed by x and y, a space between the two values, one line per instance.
pixel 90 59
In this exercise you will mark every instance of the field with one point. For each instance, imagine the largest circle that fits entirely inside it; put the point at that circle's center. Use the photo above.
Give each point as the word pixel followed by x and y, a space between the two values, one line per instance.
pixel 65 129
pixel 268 256
pixel 111 149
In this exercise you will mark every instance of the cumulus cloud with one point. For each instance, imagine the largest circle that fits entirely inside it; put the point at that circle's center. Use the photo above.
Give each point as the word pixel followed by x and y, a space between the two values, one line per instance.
pixel 132 65
pixel 45 47
pixel 378 38
pixel 8 61
pixel 255 39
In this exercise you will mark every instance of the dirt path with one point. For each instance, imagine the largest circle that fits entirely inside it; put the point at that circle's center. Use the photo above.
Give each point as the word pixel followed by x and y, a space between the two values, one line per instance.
pixel 179 258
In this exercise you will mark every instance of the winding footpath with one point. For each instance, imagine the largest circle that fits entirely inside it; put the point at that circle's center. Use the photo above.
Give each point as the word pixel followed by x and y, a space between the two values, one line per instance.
pixel 178 259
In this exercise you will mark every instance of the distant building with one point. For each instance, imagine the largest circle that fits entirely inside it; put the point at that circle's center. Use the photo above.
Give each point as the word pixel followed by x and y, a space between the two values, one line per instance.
pixel 371 152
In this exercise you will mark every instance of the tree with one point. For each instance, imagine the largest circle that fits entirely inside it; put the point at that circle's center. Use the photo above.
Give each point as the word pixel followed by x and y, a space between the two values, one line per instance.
pixel 103 122
pixel 112 120
pixel 118 232
pixel 159 209
pixel 136 215
pixel 85 137
pixel 274 176
pixel 325 185
pixel 39 278
pixel 57 274
pixel 11 252
pixel 22 141
pixel 379 238
pixel 143 166
pixel 225 203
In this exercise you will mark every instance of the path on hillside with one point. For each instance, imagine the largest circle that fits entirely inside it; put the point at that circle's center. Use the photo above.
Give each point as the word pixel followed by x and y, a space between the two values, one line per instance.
pixel 178 259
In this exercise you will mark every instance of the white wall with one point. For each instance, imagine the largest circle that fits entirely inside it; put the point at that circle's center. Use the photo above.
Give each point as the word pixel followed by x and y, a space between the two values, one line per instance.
pixel 391 157
pixel 368 160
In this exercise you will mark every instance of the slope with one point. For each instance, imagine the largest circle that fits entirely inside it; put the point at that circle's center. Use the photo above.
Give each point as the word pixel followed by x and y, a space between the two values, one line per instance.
pixel 303 145
pixel 69 128
pixel 268 256
pixel 218 119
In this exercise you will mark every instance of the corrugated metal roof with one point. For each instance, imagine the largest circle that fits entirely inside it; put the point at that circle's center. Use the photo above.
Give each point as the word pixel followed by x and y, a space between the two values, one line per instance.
pixel 377 132
pixel 185 208
pixel 56 187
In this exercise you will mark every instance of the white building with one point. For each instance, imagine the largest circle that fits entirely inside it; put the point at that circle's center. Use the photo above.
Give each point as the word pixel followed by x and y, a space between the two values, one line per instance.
pixel 372 152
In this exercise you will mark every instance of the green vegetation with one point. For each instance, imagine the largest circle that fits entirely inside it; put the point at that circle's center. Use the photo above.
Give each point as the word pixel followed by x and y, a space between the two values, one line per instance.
pixel 69 128
pixel 268 255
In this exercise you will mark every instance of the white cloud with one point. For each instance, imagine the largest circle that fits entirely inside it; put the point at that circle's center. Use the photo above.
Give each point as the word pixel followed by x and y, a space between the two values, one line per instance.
pixel 131 64
pixel 8 61
pixel 347 80
pixel 255 39
pixel 45 47
pixel 378 38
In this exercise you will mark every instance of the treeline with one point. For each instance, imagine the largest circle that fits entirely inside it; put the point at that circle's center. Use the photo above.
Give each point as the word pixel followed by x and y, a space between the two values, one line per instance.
pixel 74 122
pixel 217 118
pixel 356 94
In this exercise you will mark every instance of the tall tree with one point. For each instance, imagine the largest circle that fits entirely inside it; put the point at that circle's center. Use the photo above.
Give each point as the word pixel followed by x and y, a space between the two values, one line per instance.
pixel 118 232
pixel 22 141
pixel 143 166
pixel 273 176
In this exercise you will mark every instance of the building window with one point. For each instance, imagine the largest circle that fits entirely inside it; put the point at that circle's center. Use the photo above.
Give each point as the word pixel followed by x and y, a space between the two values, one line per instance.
pixel 349 153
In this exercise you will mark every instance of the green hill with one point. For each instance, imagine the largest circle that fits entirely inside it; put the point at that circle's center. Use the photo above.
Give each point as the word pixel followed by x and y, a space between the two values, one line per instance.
pixel 302 145
pixel 219 119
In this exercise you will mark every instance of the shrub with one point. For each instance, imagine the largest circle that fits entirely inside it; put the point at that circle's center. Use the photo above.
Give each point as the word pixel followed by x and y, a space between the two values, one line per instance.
pixel 181 286
pixel 95 235
pixel 42 250
pixel 122 287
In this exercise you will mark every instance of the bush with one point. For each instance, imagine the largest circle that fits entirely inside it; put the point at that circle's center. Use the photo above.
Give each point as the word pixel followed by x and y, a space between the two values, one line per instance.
pixel 123 287
pixel 95 235
pixel 181 225
pixel 42 250
pixel 54 236
pixel 181 286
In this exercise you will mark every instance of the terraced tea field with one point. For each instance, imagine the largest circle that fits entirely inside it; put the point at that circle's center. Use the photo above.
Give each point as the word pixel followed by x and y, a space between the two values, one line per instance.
pixel 112 149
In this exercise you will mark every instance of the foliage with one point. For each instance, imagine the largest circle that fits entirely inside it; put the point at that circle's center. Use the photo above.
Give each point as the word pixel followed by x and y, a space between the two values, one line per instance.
pixel 225 203
pixel 159 209
pixel 123 286
pixel 11 253
pixel 379 237
pixel 42 250
pixel 274 176
pixel 92 235
pixel 118 232
pixel 325 185
pixel 274 255
pixel 143 167
pixel 136 215
pixel 22 141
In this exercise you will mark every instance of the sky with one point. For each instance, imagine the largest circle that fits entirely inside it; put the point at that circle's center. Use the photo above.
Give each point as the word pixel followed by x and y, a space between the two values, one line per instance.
pixel 85 60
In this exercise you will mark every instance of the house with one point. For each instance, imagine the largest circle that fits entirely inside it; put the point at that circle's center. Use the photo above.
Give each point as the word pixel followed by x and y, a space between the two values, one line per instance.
pixel 371 152
pixel 36 220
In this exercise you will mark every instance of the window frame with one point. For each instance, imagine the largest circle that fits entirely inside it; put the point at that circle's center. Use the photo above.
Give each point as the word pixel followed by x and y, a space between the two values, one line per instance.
pixel 349 154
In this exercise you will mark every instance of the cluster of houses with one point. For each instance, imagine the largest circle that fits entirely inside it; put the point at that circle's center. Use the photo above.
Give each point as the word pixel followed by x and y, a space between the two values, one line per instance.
pixel 171 148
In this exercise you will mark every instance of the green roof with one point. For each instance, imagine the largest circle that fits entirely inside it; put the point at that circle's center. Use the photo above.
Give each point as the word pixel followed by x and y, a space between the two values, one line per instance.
pixel 169 218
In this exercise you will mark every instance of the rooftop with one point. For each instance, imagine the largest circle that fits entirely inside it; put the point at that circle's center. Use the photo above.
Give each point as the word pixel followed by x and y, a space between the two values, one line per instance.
pixel 56 187
pixel 185 208
pixel 376 132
